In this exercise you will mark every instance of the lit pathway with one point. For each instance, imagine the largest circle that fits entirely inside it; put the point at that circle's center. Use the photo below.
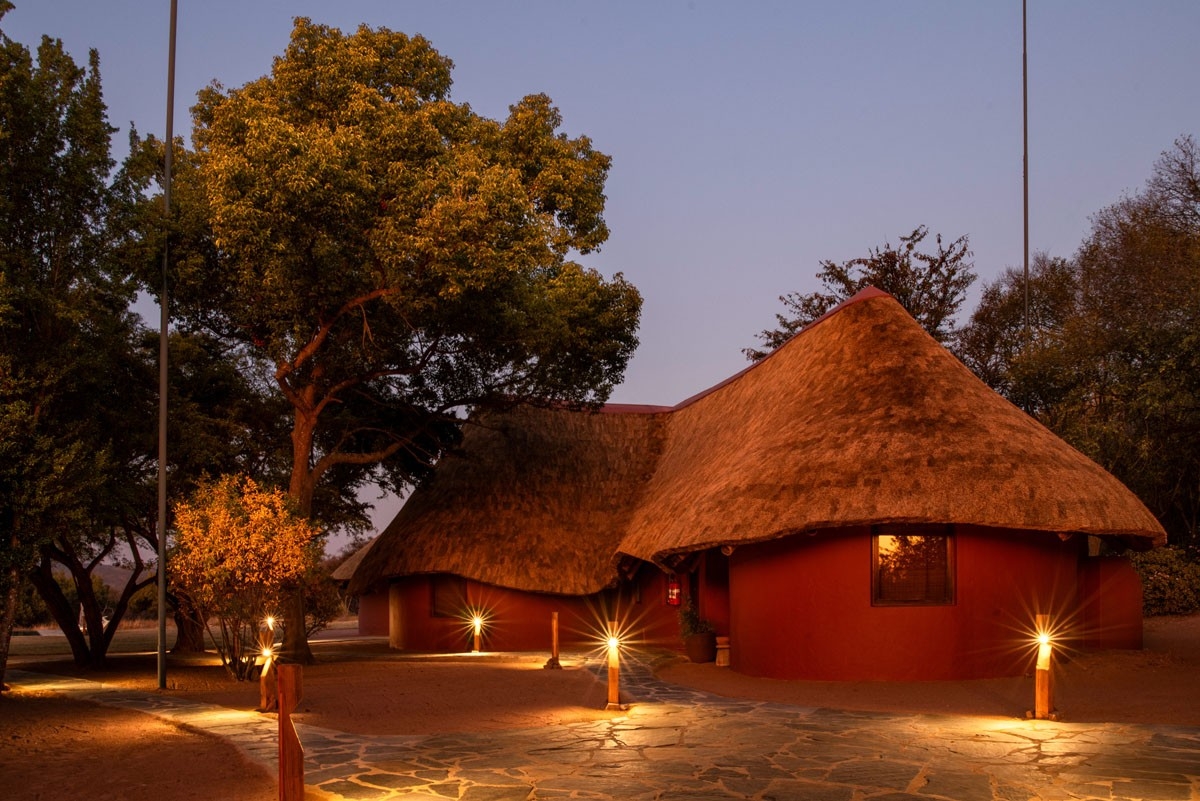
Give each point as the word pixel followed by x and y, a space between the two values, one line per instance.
pixel 676 743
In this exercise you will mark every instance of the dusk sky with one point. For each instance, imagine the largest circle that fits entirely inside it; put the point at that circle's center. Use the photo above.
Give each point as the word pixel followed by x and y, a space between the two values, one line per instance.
pixel 750 140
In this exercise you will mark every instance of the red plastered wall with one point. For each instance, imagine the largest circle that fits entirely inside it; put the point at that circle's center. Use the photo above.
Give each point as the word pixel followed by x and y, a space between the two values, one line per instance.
pixel 800 607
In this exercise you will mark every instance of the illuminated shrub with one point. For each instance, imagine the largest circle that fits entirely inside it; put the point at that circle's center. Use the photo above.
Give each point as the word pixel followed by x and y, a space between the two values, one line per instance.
pixel 239 549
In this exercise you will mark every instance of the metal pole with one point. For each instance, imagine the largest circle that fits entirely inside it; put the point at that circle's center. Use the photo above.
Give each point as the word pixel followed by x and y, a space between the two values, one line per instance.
pixel 1025 151
pixel 163 318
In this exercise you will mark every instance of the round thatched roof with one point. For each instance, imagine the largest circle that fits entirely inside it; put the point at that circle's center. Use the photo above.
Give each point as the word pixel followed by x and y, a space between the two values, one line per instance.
pixel 862 418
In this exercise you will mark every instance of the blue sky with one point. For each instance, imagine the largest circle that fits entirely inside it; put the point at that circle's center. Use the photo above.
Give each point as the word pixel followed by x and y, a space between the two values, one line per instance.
pixel 749 140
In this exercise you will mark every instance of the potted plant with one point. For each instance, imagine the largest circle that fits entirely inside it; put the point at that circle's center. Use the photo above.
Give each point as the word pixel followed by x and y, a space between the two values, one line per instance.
pixel 699 636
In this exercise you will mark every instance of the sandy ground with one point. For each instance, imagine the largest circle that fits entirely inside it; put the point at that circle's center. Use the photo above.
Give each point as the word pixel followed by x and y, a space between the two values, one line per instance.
pixel 52 748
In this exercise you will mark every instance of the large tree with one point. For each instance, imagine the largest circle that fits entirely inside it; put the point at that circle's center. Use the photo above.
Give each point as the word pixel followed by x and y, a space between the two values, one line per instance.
pixel 931 286
pixel 1016 360
pixel 1113 361
pixel 392 258
pixel 219 423
pixel 58 307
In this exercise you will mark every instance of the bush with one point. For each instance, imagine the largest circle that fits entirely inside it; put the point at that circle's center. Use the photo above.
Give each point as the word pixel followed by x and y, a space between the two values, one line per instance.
pixel 322 601
pixel 31 611
pixel 239 550
pixel 1170 581
pixel 690 621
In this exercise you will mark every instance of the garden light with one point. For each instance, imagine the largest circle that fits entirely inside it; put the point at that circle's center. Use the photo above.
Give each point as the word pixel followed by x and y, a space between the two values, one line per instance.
pixel 1043 694
pixel 614 667
pixel 475 620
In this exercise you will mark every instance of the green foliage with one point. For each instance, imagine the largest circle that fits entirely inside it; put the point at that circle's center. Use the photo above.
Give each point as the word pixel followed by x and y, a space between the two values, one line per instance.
pixel 1112 361
pixel 1170 581
pixel 931 286
pixel 30 611
pixel 322 601
pixel 1024 366
pixel 383 257
pixel 690 621
pixel 61 310
pixel 144 603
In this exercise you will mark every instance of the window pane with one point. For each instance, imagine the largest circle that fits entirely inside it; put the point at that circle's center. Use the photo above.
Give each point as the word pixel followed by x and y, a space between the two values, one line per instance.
pixel 912 568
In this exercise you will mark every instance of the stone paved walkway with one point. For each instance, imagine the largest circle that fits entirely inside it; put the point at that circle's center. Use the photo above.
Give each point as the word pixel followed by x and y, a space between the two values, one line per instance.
pixel 676 743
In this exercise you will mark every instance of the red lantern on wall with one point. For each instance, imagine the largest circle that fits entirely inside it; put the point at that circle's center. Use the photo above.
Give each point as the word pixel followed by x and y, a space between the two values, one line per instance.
pixel 673 591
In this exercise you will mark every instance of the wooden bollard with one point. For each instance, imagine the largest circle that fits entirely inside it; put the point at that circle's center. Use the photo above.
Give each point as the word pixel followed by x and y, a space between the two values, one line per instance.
pixel 614 668
pixel 1043 691
pixel 291 755
pixel 553 662
pixel 268 692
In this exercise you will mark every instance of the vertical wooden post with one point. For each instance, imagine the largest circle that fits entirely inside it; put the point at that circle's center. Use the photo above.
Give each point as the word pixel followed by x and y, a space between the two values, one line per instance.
pixel 267 693
pixel 291 754
pixel 395 617
pixel 553 663
pixel 614 668
pixel 1043 692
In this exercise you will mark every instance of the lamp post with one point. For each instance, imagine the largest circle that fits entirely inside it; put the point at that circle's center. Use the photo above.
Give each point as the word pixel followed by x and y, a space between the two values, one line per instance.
pixel 162 367
pixel 477 628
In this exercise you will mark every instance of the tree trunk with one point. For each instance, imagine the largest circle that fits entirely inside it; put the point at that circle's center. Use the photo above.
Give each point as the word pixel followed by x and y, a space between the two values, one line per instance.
pixel 12 593
pixel 66 618
pixel 295 637
pixel 189 628
pixel 93 616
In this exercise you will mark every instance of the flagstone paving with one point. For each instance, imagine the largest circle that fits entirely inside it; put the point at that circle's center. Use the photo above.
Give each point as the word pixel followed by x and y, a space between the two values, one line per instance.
pixel 677 743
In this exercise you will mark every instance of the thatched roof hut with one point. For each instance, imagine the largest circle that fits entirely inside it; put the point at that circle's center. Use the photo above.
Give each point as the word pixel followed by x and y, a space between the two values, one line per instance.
pixel 534 499
pixel 862 418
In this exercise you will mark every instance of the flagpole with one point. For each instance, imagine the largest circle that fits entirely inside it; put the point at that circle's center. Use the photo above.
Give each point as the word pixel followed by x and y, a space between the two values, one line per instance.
pixel 164 316
pixel 1025 151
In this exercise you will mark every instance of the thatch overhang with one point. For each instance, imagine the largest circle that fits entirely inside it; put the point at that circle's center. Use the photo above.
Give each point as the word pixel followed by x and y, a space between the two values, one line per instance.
pixel 863 418
pixel 534 499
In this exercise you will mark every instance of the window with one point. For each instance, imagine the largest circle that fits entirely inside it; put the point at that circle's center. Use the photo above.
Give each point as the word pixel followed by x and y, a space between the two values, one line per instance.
pixel 912 565
pixel 449 596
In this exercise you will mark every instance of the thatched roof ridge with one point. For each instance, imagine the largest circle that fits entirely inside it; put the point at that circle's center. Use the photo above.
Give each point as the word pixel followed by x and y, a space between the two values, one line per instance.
pixel 863 418
pixel 533 499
